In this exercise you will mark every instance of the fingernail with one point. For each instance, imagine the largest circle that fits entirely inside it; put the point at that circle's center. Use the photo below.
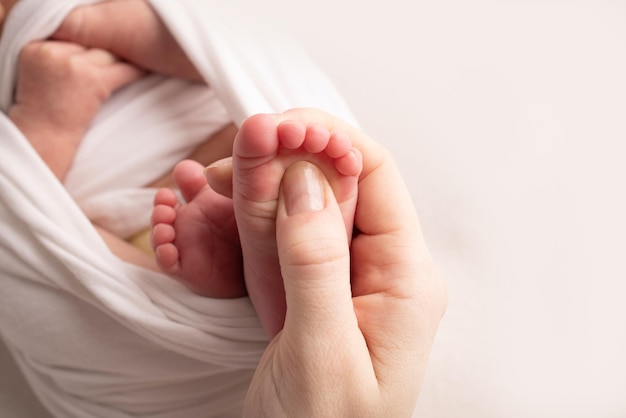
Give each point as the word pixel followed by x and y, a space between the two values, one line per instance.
pixel 224 162
pixel 303 189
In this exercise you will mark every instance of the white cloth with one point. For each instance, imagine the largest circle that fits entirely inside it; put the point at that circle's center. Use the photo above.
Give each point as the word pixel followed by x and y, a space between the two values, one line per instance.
pixel 97 337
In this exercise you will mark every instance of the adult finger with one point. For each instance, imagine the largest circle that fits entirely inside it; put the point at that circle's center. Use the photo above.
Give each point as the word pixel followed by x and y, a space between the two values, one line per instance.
pixel 321 328
pixel 313 248
pixel 219 175
pixel 395 285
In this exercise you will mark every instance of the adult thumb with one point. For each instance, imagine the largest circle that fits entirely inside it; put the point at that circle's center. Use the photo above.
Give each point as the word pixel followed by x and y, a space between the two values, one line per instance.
pixel 313 252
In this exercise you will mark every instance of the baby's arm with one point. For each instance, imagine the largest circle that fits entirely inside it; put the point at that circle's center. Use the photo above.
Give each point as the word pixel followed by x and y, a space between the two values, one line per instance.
pixel 60 88
pixel 132 30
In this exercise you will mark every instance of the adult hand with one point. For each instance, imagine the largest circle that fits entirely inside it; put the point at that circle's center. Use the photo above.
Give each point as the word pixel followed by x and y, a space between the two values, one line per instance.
pixel 132 30
pixel 361 320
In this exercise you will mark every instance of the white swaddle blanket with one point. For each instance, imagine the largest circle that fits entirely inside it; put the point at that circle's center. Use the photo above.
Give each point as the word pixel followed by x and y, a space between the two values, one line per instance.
pixel 95 336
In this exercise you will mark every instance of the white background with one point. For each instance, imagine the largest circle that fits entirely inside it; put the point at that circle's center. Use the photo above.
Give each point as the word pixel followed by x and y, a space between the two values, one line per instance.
pixel 508 120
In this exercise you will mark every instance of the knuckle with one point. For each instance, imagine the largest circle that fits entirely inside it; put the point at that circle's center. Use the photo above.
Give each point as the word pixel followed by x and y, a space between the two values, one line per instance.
pixel 317 252
pixel 30 53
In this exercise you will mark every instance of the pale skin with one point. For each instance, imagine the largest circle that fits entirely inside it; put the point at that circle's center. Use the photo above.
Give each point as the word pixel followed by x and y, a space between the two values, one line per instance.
pixel 5 8
pixel 194 243
pixel 60 88
pixel 360 319
pixel 197 241
pixel 362 316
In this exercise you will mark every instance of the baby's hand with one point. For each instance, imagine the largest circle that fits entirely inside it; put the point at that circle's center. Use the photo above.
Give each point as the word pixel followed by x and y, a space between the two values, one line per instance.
pixel 132 30
pixel 60 88
pixel 63 85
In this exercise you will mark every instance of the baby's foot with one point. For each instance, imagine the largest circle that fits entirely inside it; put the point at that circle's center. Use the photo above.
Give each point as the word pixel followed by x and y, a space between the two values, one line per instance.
pixel 261 154
pixel 197 241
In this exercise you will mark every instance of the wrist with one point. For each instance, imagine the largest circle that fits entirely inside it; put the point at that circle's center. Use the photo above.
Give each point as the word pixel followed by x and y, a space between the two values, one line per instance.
pixel 34 124
pixel 56 146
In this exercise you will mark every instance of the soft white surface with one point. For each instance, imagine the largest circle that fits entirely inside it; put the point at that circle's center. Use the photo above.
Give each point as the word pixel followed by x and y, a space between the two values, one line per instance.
pixel 507 118
pixel 94 336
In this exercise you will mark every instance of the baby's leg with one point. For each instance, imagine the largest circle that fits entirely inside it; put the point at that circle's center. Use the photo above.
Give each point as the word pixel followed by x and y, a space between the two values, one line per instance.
pixel 262 152
pixel 196 241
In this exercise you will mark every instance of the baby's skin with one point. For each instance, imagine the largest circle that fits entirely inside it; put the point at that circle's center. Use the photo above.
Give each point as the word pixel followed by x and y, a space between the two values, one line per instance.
pixel 194 240
pixel 60 88
pixel 197 241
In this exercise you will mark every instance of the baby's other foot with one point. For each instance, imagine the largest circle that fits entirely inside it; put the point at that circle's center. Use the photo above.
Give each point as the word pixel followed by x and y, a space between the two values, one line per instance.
pixel 196 241
pixel 262 152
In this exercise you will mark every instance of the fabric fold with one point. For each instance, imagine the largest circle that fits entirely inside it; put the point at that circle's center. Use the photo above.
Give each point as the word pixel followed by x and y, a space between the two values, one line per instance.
pixel 96 336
